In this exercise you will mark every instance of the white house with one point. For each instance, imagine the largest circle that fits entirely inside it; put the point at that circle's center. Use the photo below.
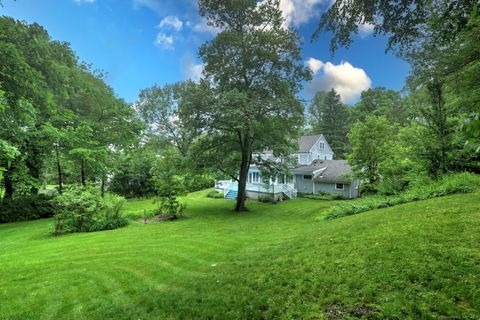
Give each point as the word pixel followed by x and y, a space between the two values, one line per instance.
pixel 313 156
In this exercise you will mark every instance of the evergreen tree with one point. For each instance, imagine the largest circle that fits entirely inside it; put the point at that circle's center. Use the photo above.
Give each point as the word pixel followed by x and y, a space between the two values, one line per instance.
pixel 330 117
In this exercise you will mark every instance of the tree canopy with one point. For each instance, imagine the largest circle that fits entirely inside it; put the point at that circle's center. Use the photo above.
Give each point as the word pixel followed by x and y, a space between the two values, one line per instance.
pixel 253 72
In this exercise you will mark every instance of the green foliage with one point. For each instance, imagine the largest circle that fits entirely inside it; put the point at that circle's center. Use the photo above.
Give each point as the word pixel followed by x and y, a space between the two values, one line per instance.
pixel 449 184
pixel 26 208
pixel 406 262
pixel 54 107
pixel 371 142
pixel 253 73
pixel 329 116
pixel 133 176
pixel 170 183
pixel 215 194
pixel 265 198
pixel 160 109
pixel 403 21
pixel 380 102
pixel 83 209
pixel 322 196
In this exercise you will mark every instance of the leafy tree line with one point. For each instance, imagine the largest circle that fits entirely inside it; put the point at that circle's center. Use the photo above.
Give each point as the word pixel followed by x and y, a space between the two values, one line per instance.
pixel 434 128
pixel 57 116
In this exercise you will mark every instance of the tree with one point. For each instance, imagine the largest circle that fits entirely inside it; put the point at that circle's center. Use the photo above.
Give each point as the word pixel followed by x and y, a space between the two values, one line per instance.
pixel 133 177
pixel 254 71
pixel 404 21
pixel 371 142
pixel 170 183
pixel 49 98
pixel 160 107
pixel 440 40
pixel 329 116
pixel 380 102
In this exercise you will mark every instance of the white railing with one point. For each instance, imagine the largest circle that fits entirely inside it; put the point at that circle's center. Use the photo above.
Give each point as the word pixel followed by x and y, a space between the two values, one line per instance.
pixel 290 191
pixel 223 186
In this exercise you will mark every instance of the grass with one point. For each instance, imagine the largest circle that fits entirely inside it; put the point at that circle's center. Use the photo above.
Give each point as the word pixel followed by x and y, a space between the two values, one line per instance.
pixel 419 260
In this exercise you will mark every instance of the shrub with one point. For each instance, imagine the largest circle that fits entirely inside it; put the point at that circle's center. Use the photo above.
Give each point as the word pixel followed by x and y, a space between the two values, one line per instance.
pixel 26 208
pixel 170 207
pixel 323 196
pixel 215 194
pixel 449 184
pixel 82 209
pixel 265 198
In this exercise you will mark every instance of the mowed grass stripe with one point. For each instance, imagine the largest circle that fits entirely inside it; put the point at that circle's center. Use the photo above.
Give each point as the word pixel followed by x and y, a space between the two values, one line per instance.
pixel 419 260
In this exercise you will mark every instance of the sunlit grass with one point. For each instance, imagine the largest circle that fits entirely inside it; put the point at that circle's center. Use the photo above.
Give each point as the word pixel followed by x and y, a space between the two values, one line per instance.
pixel 419 260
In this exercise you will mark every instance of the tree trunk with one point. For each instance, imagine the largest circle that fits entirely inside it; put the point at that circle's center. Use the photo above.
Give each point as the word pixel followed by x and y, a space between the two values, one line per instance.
pixel 102 186
pixel 8 184
pixel 439 124
pixel 242 179
pixel 59 171
pixel 34 164
pixel 82 172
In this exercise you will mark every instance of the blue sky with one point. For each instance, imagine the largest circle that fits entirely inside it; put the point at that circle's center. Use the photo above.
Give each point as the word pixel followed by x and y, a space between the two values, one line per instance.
pixel 140 43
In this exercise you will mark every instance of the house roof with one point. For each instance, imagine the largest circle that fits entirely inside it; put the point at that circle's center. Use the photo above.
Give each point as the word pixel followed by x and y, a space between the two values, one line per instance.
pixel 306 143
pixel 327 171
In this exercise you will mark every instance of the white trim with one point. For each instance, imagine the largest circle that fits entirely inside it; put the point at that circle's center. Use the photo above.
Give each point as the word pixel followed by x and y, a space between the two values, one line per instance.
pixel 342 188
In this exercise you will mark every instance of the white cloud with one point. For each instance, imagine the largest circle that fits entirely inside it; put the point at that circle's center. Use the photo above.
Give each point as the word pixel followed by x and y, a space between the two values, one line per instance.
pixel 164 41
pixel 364 30
pixel 203 27
pixel 154 5
pixel 190 68
pixel 346 79
pixel 84 1
pixel 298 12
pixel 314 65
pixel 171 22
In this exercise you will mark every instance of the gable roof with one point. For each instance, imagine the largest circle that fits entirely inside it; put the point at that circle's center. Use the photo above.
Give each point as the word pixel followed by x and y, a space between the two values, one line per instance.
pixel 327 171
pixel 306 143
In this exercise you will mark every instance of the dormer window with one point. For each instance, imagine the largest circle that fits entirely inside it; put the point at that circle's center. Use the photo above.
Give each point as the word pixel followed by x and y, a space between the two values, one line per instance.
pixel 321 146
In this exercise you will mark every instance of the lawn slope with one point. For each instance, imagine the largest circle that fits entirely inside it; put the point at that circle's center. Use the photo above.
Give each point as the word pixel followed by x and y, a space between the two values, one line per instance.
pixel 418 260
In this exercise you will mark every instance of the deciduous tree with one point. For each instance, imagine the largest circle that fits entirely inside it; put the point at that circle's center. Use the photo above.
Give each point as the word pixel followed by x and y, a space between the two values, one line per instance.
pixel 254 70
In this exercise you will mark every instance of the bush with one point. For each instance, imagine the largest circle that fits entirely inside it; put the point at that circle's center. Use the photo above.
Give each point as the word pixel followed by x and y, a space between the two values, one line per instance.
pixel 449 184
pixel 82 209
pixel 265 198
pixel 215 195
pixel 26 208
pixel 170 207
pixel 322 196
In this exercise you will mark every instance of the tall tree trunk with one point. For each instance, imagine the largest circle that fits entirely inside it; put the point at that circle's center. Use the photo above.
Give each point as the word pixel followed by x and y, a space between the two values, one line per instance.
pixel 34 164
pixel 102 186
pixel 8 184
pixel 242 179
pixel 82 172
pixel 59 171
pixel 439 125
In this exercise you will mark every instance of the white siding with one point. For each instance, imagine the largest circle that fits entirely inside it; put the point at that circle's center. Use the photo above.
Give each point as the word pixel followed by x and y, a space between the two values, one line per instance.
pixel 319 151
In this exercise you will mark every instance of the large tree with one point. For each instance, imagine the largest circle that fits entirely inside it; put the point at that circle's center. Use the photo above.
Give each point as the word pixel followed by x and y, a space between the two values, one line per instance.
pixel 380 102
pixel 160 107
pixel 49 94
pixel 329 116
pixel 371 143
pixel 404 21
pixel 254 70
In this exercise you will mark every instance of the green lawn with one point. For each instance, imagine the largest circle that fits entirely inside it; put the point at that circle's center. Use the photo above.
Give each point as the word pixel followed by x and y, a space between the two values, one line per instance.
pixel 419 260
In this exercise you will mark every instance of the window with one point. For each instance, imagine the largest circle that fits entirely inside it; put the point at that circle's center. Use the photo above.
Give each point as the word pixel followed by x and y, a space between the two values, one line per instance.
pixel 339 186
pixel 321 146
pixel 307 177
